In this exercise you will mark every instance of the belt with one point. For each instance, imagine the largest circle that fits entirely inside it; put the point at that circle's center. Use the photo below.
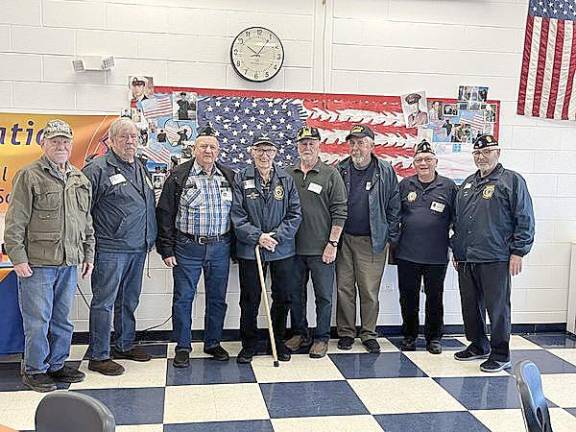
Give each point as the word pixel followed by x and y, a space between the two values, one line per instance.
pixel 206 239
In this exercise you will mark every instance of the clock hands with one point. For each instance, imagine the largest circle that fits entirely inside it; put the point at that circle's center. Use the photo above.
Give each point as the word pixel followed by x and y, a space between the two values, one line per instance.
pixel 250 48
pixel 260 50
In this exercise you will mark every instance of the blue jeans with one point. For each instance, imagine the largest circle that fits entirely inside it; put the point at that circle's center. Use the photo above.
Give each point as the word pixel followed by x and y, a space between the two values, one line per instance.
pixel 192 259
pixel 116 287
pixel 45 299
pixel 323 283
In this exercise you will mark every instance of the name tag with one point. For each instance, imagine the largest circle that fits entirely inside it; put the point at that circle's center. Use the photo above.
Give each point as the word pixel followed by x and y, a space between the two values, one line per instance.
pixel 249 184
pixel 368 185
pixel 117 178
pixel 226 194
pixel 315 187
pixel 438 207
pixel 467 185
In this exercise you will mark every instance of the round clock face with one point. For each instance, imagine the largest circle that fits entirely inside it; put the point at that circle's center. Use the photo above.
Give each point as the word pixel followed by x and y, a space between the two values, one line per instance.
pixel 257 54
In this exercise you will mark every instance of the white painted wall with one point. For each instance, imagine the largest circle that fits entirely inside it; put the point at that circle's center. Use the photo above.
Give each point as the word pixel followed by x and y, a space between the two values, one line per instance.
pixel 386 47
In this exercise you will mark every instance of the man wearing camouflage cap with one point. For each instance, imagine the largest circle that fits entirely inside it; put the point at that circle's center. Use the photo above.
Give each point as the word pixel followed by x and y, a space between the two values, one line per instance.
pixel 48 234
pixel 493 230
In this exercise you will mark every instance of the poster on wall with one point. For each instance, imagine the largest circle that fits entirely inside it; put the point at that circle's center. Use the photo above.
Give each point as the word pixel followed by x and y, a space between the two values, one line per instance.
pixel 20 136
pixel 175 113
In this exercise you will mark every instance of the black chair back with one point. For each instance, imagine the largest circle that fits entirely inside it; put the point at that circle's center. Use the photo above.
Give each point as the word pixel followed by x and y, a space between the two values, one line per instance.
pixel 64 411
pixel 534 405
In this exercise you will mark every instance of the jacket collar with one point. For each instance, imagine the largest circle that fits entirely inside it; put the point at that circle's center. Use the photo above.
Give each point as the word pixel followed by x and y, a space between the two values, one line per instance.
pixel 494 175
pixel 315 168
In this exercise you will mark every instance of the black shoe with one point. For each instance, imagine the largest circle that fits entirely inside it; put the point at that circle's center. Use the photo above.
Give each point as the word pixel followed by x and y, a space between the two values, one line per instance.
pixel 106 367
pixel 492 366
pixel 284 355
pixel 135 354
pixel 181 359
pixel 467 355
pixel 345 343
pixel 245 356
pixel 408 344
pixel 218 353
pixel 40 383
pixel 67 374
pixel 434 346
pixel 372 346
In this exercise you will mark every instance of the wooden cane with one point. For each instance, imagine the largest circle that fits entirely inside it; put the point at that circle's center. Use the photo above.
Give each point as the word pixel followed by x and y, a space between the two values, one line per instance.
pixel 266 307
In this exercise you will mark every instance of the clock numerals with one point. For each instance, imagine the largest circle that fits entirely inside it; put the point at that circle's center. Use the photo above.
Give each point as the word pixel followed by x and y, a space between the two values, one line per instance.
pixel 257 54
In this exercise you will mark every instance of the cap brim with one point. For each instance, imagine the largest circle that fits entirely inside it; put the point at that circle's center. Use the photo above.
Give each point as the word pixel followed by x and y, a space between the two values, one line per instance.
pixel 58 135
pixel 257 143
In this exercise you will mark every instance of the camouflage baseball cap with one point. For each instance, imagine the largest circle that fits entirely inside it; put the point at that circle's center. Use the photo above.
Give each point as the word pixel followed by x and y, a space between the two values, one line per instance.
pixel 56 128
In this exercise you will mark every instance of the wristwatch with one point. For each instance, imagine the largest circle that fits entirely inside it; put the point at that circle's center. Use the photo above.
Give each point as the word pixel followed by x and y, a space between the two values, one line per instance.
pixel 333 243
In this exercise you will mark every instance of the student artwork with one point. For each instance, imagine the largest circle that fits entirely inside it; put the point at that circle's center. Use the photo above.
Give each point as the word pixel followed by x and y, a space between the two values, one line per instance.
pixel 415 109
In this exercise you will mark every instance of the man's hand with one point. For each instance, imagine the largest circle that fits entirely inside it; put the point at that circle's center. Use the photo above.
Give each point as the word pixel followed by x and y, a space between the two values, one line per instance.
pixel 267 241
pixel 515 265
pixel 170 262
pixel 329 254
pixel 23 270
pixel 87 269
pixel 455 263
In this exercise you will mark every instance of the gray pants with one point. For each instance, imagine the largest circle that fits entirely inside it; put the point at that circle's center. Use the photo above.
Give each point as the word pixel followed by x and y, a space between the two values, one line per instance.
pixel 486 287
pixel 358 266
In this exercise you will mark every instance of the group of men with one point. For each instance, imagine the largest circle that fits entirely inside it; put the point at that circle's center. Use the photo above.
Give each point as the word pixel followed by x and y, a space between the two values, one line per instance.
pixel 312 220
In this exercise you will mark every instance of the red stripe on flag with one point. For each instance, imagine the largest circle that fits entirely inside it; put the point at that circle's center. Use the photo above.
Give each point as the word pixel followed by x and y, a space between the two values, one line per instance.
pixel 542 54
pixel 525 65
pixel 572 71
pixel 557 69
pixel 346 125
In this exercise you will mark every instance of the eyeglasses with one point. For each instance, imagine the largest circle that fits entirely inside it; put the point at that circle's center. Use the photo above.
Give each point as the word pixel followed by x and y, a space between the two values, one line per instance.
pixel 270 151
pixel 426 160
pixel 484 152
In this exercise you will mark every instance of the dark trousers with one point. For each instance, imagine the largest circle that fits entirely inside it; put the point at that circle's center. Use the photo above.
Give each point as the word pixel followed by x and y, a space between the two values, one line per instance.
pixel 486 287
pixel 283 284
pixel 410 275
pixel 323 283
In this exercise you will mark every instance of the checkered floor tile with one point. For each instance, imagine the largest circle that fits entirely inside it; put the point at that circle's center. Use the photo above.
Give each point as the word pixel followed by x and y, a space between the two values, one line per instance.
pixel 345 391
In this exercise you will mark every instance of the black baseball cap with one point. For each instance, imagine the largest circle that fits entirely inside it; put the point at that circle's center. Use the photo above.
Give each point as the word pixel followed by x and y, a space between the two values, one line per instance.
pixel 307 133
pixel 485 141
pixel 263 139
pixel 360 131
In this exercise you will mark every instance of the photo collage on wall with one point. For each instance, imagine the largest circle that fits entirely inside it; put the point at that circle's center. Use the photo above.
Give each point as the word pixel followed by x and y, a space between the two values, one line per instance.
pixel 452 127
pixel 167 125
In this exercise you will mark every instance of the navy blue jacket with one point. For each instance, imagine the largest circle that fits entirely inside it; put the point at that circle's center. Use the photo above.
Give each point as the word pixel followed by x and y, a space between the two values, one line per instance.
pixel 426 217
pixel 124 218
pixel 494 217
pixel 253 213
pixel 384 202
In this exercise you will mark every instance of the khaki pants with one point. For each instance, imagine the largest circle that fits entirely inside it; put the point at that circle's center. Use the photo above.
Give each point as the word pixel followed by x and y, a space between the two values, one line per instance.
pixel 356 265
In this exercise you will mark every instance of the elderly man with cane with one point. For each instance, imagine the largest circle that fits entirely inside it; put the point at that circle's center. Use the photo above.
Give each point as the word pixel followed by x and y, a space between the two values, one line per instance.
pixel 265 213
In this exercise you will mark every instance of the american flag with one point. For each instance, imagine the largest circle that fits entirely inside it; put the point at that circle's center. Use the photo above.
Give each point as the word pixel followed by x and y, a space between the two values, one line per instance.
pixel 476 119
pixel 237 119
pixel 549 61
pixel 158 153
pixel 158 106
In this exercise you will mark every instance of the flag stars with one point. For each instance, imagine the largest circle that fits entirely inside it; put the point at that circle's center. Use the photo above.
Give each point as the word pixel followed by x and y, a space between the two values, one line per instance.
pixel 236 118
pixel 282 120
pixel 246 111
pixel 226 109
pixel 209 108
pixel 261 112
pixel 236 104
pixel 218 103
pixel 244 126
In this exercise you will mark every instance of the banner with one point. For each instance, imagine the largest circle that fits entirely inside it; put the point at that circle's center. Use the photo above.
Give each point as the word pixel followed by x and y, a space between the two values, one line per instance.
pixel 20 136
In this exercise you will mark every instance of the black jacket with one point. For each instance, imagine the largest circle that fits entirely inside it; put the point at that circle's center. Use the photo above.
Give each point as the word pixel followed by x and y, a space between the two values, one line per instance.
pixel 169 202
pixel 123 215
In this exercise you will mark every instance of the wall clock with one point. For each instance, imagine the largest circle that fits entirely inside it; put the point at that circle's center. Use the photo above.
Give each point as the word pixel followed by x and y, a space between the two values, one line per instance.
pixel 257 54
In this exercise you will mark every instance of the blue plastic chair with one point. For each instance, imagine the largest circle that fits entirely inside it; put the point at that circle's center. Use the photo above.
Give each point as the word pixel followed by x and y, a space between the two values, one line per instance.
pixel 534 405
pixel 64 411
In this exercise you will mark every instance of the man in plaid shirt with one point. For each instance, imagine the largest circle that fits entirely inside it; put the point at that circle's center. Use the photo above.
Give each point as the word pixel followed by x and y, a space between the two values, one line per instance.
pixel 194 237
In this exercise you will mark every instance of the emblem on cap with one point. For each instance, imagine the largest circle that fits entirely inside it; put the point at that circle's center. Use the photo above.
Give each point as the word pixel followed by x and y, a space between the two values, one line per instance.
pixel 56 128
pixel 279 193
pixel 488 191
pixel 411 197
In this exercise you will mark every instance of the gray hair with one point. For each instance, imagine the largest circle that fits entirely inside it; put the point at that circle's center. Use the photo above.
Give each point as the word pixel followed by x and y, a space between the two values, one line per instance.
pixel 119 125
